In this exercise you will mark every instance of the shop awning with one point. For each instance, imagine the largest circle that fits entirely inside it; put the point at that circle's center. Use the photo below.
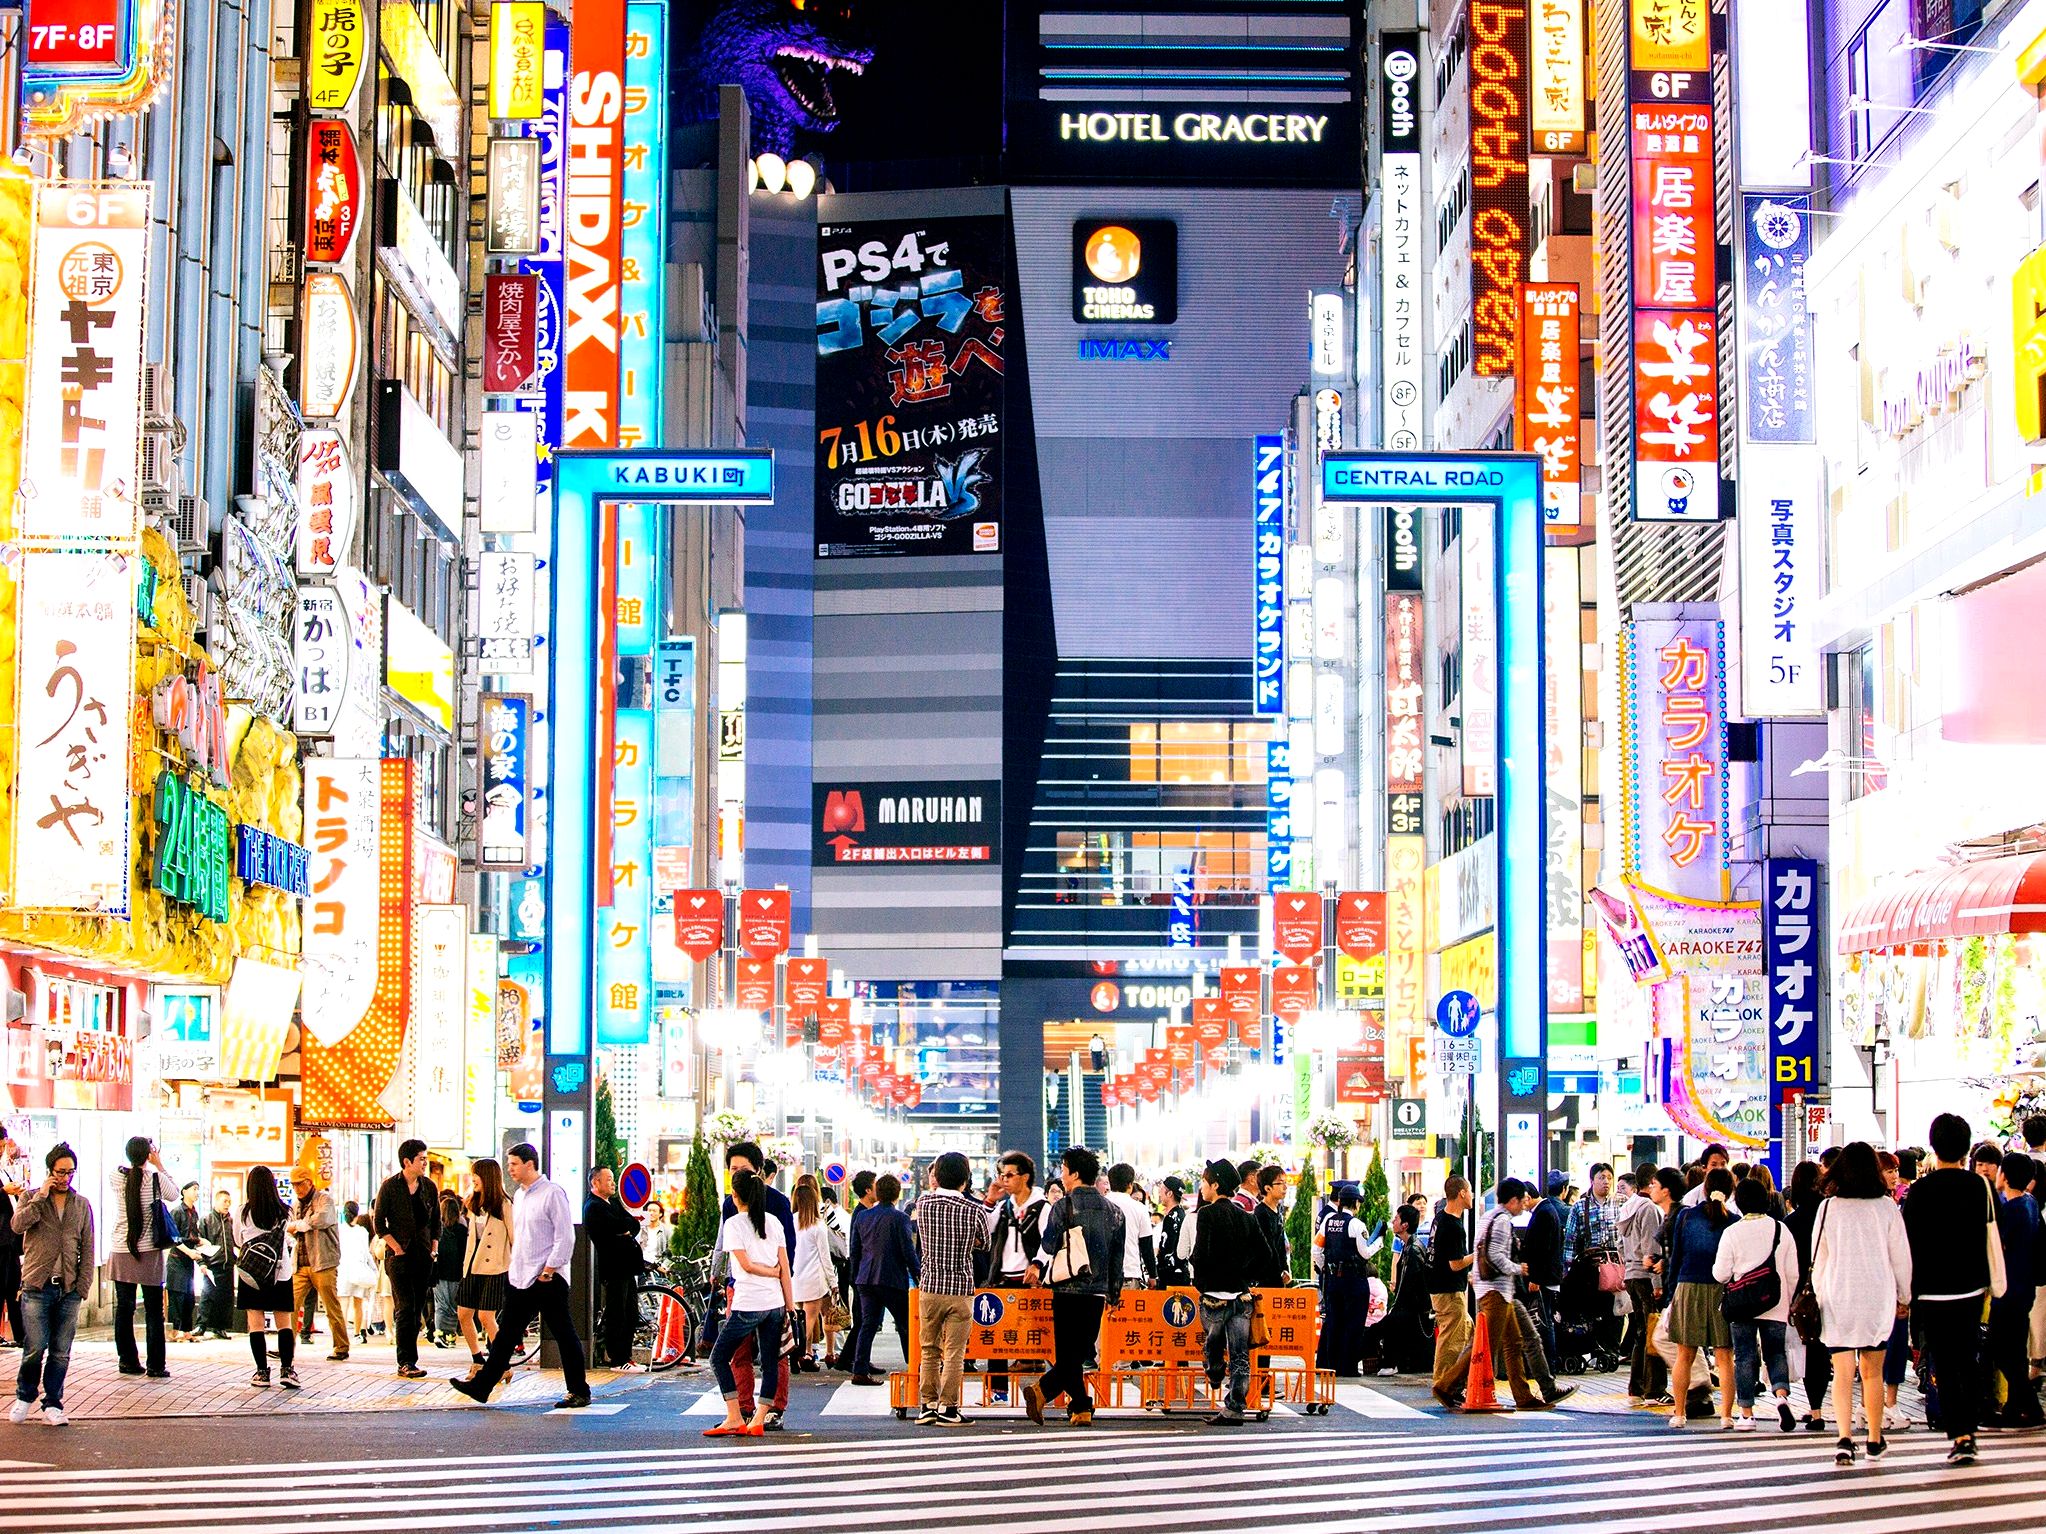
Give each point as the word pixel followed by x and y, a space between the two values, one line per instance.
pixel 1973 900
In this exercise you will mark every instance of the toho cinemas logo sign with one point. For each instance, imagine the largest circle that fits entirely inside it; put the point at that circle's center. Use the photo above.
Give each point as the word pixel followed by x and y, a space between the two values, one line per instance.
pixel 941 822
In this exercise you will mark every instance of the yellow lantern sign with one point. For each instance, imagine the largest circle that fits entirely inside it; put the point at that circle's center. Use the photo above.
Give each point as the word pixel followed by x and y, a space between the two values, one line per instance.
pixel 335 43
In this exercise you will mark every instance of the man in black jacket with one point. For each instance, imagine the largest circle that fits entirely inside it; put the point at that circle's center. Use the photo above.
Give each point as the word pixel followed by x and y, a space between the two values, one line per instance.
pixel 1077 1298
pixel 1275 1271
pixel 1947 1216
pixel 614 1242
pixel 408 1218
pixel 1541 1244
pixel 1227 1252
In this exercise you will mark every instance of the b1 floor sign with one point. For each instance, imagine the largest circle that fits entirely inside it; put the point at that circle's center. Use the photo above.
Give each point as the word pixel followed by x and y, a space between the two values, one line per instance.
pixel 1409 1118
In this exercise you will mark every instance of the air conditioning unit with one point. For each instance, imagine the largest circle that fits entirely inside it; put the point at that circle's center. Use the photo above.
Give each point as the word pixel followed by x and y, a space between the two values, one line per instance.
pixel 200 600
pixel 158 508
pixel 192 527
pixel 156 393
pixel 159 463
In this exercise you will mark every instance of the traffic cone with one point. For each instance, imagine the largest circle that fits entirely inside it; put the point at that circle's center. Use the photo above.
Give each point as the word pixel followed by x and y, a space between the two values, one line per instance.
pixel 1481 1392
pixel 668 1341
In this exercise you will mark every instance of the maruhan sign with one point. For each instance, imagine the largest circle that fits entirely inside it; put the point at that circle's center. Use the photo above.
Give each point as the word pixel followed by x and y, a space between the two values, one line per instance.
pixel 1192 128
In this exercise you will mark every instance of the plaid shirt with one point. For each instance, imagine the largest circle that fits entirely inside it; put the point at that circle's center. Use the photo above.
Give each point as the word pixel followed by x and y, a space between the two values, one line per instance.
pixel 1594 1225
pixel 950 1229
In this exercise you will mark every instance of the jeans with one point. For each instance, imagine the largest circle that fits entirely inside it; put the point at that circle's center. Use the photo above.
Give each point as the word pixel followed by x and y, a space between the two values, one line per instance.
pixel 1075 1330
pixel 1226 1324
pixel 444 1291
pixel 740 1326
pixel 1756 1343
pixel 877 1302
pixel 1951 1333
pixel 49 1318
pixel 1646 1374
pixel 548 1300
pixel 1537 1361
pixel 152 1325
pixel 943 1323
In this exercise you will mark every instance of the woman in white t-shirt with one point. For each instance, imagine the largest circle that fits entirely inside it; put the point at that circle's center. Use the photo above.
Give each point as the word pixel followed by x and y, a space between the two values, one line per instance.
pixel 761 1296
pixel 814 1277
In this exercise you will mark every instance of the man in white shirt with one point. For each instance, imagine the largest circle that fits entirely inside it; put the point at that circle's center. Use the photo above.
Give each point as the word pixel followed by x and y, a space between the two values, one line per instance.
pixel 543 1241
pixel 1714 1158
pixel 1139 1245
pixel 1015 1227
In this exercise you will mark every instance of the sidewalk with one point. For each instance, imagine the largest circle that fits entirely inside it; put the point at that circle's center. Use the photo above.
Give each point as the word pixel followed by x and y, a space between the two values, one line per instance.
pixel 211 1379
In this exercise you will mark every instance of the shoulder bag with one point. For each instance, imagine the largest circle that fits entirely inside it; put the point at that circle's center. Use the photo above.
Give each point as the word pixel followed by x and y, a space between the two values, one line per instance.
pixel 1805 1314
pixel 166 1219
pixel 1483 1248
pixel 1751 1295
pixel 1999 1280
pixel 1071 1261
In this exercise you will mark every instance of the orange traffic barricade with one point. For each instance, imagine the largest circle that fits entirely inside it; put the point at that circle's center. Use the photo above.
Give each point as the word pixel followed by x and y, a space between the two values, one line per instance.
pixel 1011 1326
pixel 1292 1323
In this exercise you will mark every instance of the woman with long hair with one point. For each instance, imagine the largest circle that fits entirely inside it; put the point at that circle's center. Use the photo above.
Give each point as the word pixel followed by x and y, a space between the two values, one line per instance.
pixel 485 1259
pixel 761 1298
pixel 1696 1321
pixel 1861 1273
pixel 263 1276
pixel 1804 1196
pixel 137 1260
pixel 814 1276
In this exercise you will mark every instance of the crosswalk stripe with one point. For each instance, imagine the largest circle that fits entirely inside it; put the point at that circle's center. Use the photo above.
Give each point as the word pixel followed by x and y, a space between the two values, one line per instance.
pixel 744 1490
pixel 1375 1404
pixel 850 1400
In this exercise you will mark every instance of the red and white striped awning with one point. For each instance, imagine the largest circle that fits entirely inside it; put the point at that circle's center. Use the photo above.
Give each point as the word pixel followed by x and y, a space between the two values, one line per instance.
pixel 1982 899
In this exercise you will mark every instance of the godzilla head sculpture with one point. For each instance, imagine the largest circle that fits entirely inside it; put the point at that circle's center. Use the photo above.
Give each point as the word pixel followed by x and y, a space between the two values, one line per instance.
pixel 787 55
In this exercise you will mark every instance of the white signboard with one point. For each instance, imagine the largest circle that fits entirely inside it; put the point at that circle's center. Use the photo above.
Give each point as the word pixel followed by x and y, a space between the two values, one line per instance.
pixel 322 652
pixel 82 429
pixel 479 1073
pixel 508 466
pixel 506 630
pixel 326 501
pixel 343 816
pixel 76 685
pixel 439 1023
pixel 1453 1057
pixel 1403 378
pixel 1780 521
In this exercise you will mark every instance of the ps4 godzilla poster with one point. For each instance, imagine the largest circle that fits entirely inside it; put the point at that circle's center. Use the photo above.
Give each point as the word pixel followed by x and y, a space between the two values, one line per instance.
pixel 913 317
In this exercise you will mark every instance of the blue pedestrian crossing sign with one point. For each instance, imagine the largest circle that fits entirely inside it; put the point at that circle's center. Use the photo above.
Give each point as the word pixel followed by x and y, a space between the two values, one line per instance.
pixel 1457 1014
pixel 1179 1310
pixel 988 1309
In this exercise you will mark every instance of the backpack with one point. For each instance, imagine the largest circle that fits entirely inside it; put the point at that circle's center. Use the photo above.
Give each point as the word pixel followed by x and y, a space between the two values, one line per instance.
pixel 260 1256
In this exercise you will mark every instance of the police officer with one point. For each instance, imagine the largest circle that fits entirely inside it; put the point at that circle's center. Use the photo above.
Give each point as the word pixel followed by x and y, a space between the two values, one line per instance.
pixel 1343 1251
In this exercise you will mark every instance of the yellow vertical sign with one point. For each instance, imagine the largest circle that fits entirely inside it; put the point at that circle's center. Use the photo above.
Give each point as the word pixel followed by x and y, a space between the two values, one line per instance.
pixel 1671 35
pixel 334 46
pixel 517 42
pixel 1406 860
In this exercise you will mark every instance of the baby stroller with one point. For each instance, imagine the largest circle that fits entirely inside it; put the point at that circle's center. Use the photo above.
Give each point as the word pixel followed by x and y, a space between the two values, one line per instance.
pixel 1587 1324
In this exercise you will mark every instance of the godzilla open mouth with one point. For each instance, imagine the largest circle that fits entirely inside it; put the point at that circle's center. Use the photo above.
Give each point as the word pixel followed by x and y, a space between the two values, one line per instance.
pixel 806 75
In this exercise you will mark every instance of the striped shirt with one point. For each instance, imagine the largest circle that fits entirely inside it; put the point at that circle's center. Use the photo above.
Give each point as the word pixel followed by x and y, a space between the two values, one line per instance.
pixel 950 1229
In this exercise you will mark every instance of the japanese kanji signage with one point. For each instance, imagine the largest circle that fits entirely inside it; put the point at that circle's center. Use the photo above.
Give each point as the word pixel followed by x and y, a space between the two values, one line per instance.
pixel 1556 98
pixel 511 317
pixel 88 59
pixel 1776 320
pixel 1406 859
pixel 81 436
pixel 594 199
pixel 1724 1092
pixel 439 1020
pixel 1675 277
pixel 342 822
pixel 505 726
pixel 1782 514
pixel 1498 67
pixel 1549 390
pixel 333 189
pixel 333 349
pixel 643 240
pixel 506 584
pixel 1794 951
pixel 625 1002
pixel 913 319
pixel 1402 227
pixel 906 824
pixel 1673 690
pixel 335 35
pixel 75 637
pixel 516 33
pixel 326 501
pixel 1268 574
pixel 1405 669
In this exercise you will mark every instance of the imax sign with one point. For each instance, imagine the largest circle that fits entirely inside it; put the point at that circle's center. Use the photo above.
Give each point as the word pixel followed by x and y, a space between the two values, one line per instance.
pixel 1124 349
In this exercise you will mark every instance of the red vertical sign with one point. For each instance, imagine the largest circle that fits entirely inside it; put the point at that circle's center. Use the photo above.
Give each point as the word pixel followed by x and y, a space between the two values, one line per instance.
pixel 1548 400
pixel 1293 991
pixel 1242 992
pixel 699 922
pixel 1360 924
pixel 764 923
pixel 803 984
pixel 1296 925
pixel 594 224
pixel 753 985
pixel 511 331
